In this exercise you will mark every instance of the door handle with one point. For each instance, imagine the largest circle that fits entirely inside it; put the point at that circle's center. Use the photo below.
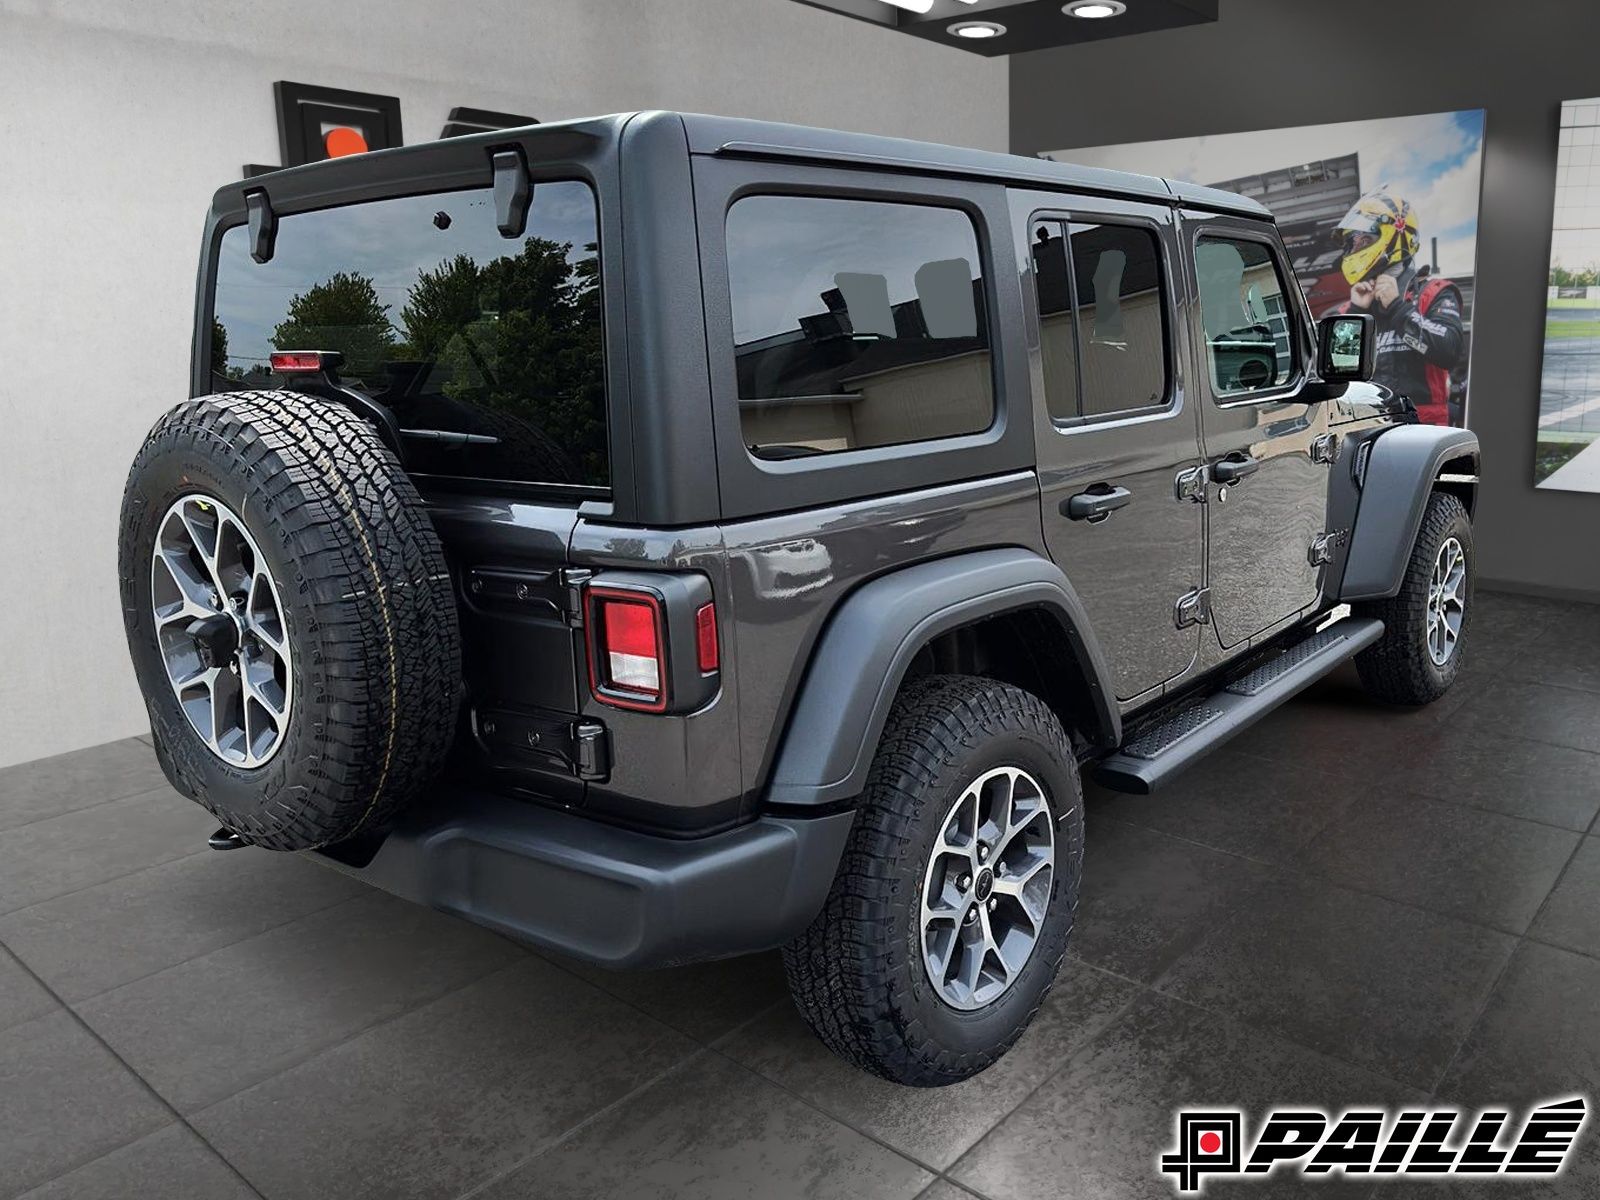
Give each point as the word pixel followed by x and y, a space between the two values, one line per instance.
pixel 1096 504
pixel 1231 470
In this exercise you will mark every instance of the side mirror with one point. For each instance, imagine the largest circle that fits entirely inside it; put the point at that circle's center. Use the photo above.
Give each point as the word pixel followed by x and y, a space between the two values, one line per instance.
pixel 1347 348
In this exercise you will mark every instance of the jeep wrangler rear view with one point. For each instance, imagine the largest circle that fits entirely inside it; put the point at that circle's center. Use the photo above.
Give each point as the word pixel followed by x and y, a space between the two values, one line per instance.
pixel 666 537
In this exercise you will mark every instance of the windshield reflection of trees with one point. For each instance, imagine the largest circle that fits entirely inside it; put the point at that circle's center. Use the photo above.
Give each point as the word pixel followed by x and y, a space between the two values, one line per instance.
pixel 509 349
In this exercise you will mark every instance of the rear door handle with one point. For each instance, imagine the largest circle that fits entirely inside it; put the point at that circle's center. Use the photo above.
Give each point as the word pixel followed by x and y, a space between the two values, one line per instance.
pixel 1096 504
pixel 1231 470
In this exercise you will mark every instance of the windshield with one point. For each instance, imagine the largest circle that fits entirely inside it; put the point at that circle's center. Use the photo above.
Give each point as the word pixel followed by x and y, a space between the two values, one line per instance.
pixel 454 327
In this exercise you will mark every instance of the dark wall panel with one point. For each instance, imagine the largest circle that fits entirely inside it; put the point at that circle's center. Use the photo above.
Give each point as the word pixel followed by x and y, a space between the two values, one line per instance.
pixel 1269 64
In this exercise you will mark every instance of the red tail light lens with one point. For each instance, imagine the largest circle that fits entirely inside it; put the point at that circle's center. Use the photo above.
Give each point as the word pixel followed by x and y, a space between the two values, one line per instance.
pixel 627 661
pixel 303 362
pixel 705 637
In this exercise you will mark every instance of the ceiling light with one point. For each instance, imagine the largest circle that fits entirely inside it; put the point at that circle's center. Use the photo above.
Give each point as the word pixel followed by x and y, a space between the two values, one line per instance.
pixel 916 6
pixel 1095 10
pixel 976 29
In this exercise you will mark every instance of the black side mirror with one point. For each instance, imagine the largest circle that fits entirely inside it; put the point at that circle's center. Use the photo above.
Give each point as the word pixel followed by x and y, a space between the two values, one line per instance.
pixel 1347 348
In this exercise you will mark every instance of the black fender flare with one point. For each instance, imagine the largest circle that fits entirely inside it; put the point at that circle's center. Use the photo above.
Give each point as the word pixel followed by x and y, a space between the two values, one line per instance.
pixel 1397 472
pixel 875 632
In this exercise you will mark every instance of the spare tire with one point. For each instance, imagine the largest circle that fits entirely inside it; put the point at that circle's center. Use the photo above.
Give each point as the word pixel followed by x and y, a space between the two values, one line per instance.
pixel 290 616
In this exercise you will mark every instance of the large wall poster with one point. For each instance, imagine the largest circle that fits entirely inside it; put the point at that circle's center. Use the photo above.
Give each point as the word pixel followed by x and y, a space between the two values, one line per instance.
pixel 1382 215
pixel 1567 457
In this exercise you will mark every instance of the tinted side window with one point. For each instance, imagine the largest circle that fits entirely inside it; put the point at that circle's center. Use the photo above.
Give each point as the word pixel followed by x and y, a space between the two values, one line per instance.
pixel 458 330
pixel 856 324
pixel 1244 307
pixel 1103 319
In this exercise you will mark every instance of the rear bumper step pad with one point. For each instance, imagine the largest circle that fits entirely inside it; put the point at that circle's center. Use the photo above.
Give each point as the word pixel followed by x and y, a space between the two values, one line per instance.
pixel 1162 750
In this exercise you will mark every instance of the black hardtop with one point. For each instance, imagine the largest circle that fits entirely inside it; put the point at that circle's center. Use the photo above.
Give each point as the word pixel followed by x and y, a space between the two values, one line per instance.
pixel 733 137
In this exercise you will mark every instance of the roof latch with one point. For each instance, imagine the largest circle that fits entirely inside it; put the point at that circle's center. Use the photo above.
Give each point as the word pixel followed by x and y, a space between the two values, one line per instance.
pixel 513 191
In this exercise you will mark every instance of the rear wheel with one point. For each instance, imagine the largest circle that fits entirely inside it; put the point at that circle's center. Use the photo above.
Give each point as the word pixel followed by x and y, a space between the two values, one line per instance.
pixel 1425 623
pixel 955 898
pixel 290 617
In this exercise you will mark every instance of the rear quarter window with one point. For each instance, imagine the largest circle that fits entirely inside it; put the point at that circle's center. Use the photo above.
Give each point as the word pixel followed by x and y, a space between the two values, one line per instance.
pixel 458 330
pixel 856 324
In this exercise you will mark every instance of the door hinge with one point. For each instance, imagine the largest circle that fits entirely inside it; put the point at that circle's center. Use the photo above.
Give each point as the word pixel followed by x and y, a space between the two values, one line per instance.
pixel 1190 485
pixel 1324 544
pixel 1325 449
pixel 1193 608
pixel 572 583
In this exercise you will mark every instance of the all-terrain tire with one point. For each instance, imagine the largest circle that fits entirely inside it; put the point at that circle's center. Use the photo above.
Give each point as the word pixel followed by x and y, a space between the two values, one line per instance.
pixel 368 613
pixel 1398 668
pixel 857 973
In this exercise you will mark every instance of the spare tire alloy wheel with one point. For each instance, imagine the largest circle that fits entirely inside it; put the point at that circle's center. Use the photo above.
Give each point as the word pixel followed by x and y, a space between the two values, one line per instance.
pixel 290 615
pixel 220 628
pixel 987 888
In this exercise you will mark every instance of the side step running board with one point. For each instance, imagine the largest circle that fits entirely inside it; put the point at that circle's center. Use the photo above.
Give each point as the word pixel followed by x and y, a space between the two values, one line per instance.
pixel 1161 751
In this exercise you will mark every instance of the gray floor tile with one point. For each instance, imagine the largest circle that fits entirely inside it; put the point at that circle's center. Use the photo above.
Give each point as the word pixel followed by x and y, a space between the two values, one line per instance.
pixel 1466 764
pixel 1557 715
pixel 1098 1127
pixel 48 787
pixel 64 1101
pixel 1257 807
pixel 22 998
pixel 1334 726
pixel 450 1095
pixel 1571 917
pixel 1373 982
pixel 254 1008
pixel 104 936
pixel 1539 1036
pixel 943 1189
pixel 713 1131
pixel 77 850
pixel 1471 864
pixel 1146 896
pixel 1565 655
pixel 934 1125
pixel 171 1164
pixel 705 1000
pixel 1507 619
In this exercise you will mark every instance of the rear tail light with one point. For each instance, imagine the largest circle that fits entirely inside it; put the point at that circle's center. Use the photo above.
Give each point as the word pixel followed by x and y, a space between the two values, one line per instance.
pixel 627 657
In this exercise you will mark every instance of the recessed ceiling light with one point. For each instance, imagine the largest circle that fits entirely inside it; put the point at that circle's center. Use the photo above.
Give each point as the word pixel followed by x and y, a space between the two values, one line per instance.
pixel 916 6
pixel 1095 10
pixel 976 29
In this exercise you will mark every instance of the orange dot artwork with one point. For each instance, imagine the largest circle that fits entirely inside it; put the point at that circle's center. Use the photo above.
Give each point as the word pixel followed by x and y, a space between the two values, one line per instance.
pixel 344 140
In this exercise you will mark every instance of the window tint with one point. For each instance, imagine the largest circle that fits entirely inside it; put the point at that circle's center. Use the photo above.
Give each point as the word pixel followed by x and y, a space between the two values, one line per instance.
pixel 1109 355
pixel 1244 308
pixel 457 329
pixel 856 324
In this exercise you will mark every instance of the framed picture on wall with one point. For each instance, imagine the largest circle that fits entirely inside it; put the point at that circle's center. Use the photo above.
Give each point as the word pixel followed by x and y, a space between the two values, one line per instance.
pixel 1567 457
pixel 1379 215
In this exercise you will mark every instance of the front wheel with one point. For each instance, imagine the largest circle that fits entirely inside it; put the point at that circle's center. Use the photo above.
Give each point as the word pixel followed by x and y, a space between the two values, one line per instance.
pixel 1425 623
pixel 955 897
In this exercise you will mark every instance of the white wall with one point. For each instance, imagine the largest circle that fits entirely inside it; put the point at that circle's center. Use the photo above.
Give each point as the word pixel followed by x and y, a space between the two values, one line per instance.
pixel 118 118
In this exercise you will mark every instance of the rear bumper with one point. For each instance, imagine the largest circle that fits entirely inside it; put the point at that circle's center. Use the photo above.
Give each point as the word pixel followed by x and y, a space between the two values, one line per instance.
pixel 607 895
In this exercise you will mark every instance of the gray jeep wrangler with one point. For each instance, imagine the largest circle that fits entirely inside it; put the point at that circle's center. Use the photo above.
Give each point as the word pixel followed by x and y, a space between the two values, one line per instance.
pixel 665 537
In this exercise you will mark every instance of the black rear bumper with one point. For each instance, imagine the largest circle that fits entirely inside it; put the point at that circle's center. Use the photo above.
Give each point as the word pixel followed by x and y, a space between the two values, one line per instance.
pixel 603 894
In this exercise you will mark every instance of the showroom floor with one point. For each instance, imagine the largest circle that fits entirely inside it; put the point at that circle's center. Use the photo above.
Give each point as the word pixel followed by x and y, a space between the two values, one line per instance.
pixel 1348 905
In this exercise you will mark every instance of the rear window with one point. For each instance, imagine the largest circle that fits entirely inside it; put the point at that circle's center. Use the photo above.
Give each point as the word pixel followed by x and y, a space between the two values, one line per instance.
pixel 856 323
pixel 457 329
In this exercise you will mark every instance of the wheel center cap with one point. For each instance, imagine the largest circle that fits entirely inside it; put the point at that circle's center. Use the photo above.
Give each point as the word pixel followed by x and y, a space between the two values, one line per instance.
pixel 216 639
pixel 984 885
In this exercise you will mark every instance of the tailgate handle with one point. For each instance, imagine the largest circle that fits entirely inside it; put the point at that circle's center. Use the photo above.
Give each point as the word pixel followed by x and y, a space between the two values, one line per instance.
pixel 513 192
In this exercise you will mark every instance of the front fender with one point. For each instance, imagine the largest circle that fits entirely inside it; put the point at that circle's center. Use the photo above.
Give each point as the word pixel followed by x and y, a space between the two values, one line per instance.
pixel 1400 468
pixel 874 634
